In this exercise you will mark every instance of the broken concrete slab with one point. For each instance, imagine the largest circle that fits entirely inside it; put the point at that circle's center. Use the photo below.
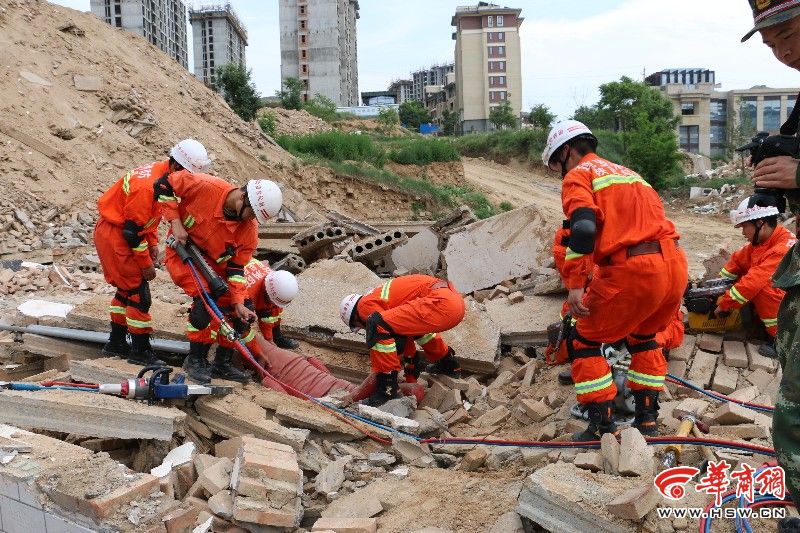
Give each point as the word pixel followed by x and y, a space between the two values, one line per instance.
pixel 234 416
pixel 733 413
pixel 561 497
pixel 509 522
pixel 710 342
pixel 758 361
pixel 635 503
pixel 609 448
pixel 420 254
pixel 474 459
pixel 684 351
pixel 53 347
pixel 359 504
pixel 103 370
pixel 592 461
pixel 524 325
pixel 331 477
pixel 88 414
pixel 169 320
pixel 346 525
pixel 476 340
pixel 517 241
pixel 725 379
pixel 387 419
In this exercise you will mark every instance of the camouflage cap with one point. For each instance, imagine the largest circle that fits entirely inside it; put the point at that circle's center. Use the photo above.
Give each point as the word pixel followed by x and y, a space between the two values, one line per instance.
pixel 770 12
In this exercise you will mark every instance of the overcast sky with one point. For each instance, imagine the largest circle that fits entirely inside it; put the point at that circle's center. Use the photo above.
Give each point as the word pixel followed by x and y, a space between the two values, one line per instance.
pixel 569 47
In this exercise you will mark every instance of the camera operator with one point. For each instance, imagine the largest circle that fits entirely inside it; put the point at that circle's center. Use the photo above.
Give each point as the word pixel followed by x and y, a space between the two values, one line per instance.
pixel 778 21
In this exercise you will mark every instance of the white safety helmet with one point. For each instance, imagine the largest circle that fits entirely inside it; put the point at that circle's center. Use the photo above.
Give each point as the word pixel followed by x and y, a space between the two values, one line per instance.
pixel 743 213
pixel 347 307
pixel 281 287
pixel 191 155
pixel 265 198
pixel 561 133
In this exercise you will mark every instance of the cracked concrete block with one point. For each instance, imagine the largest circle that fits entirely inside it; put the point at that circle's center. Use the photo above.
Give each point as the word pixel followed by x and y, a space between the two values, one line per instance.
pixel 419 254
pixel 517 241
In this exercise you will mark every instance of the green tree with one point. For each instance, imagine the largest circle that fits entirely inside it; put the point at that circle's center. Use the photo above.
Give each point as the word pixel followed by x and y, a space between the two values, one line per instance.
pixel 290 94
pixel 449 122
pixel 542 117
pixel 322 107
pixel 413 113
pixel 238 90
pixel 644 122
pixel 387 119
pixel 502 116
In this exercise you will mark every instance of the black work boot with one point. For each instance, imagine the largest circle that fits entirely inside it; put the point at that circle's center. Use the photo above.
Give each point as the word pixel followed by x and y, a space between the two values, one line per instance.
pixel 601 420
pixel 117 345
pixel 386 389
pixel 565 377
pixel 223 366
pixel 646 414
pixel 141 351
pixel 768 350
pixel 196 363
pixel 285 342
pixel 447 365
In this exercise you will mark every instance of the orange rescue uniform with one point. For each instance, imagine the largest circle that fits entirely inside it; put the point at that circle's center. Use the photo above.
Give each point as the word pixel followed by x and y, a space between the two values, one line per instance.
pixel 227 245
pixel 410 308
pixel 752 268
pixel 269 314
pixel 129 204
pixel 639 283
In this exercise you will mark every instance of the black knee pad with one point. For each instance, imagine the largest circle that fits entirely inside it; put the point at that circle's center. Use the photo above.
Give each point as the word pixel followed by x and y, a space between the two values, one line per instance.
pixel 145 299
pixel 593 349
pixel 198 316
pixel 644 343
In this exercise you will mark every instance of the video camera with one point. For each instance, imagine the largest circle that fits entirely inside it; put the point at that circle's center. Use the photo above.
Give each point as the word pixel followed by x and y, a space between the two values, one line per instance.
pixel 764 146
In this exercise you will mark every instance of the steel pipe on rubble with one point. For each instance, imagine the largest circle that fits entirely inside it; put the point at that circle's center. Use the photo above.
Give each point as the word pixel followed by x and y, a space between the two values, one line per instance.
pixel 98 337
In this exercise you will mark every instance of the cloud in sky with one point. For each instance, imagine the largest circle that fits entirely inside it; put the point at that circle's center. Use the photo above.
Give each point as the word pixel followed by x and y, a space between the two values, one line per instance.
pixel 568 48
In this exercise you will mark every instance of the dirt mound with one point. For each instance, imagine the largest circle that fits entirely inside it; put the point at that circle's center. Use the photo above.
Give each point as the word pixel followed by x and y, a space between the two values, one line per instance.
pixel 369 124
pixel 293 122
pixel 443 173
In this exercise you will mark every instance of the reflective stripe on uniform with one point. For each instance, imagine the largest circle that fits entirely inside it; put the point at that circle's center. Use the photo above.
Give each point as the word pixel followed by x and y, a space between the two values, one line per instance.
pixel 585 387
pixel 647 380
pixel 572 255
pixel 385 289
pixel 190 328
pixel 736 295
pixel 149 223
pixel 164 198
pixel 236 279
pixel 727 275
pixel 188 222
pixel 425 339
pixel 116 310
pixel 126 183
pixel 141 324
pixel 224 258
pixel 270 319
pixel 769 322
pixel 615 179
pixel 143 246
pixel 250 336
pixel 384 348
pixel 252 262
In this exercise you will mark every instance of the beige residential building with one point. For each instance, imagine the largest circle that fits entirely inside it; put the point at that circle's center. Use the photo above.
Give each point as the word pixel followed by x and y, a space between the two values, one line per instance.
pixel 218 37
pixel 318 46
pixel 488 62
pixel 712 121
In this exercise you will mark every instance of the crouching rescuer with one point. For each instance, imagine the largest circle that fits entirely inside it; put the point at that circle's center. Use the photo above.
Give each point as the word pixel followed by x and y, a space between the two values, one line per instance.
pixel 396 315
pixel 126 238
pixel 220 219
pixel 617 223
pixel 753 265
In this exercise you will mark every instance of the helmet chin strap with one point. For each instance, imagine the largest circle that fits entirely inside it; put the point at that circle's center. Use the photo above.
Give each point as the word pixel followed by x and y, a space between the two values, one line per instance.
pixel 563 162
pixel 754 241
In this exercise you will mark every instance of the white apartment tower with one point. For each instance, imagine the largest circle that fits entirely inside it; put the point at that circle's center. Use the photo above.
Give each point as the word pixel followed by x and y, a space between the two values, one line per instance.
pixel 218 37
pixel 318 46
pixel 488 62
pixel 162 22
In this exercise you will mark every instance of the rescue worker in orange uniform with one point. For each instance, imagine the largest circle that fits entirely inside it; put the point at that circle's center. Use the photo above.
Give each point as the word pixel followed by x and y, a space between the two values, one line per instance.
pixel 220 219
pixel 753 265
pixel 617 222
pixel 270 291
pixel 395 315
pixel 126 238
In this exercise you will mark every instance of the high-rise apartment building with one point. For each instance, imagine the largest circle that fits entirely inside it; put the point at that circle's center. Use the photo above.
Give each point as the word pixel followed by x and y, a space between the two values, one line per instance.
pixel 401 89
pixel 219 38
pixel 318 46
pixel 435 75
pixel 162 22
pixel 488 62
